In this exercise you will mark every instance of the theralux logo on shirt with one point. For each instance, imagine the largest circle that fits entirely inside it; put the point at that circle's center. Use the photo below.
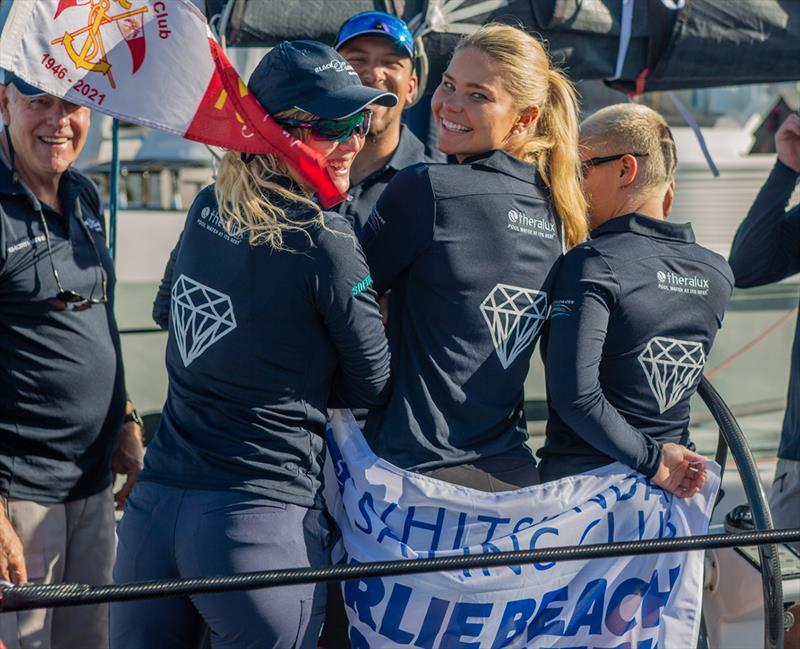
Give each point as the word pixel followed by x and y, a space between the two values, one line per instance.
pixel 693 284
pixel 211 221
pixel 518 221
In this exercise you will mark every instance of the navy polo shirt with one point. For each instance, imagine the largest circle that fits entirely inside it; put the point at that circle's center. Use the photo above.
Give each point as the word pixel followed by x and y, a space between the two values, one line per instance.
pixel 635 311
pixel 261 341
pixel 61 374
pixel 467 252
pixel 766 249
pixel 363 196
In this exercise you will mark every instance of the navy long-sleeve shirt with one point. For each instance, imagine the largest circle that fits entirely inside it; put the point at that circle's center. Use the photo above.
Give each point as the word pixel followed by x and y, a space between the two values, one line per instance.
pixel 356 209
pixel 766 249
pixel 467 252
pixel 261 341
pixel 635 311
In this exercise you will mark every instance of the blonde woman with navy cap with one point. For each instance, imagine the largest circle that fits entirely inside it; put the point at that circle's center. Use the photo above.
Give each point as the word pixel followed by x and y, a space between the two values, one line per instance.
pixel 272 320
pixel 466 250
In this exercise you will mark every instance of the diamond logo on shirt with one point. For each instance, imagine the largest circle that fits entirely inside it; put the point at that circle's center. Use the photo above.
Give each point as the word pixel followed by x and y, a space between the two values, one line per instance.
pixel 201 316
pixel 672 366
pixel 515 316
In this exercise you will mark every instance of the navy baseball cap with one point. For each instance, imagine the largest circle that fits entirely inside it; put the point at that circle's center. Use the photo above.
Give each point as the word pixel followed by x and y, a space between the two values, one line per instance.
pixel 314 78
pixel 377 23
pixel 7 78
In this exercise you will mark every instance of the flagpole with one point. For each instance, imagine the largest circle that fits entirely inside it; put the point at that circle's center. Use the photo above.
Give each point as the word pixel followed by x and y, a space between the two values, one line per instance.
pixel 113 198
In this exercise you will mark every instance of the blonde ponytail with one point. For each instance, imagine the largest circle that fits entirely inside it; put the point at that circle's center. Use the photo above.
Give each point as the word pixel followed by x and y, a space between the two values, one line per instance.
pixel 551 140
pixel 559 163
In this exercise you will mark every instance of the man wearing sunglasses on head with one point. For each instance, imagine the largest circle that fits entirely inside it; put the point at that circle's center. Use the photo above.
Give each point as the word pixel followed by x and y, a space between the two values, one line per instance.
pixel 63 408
pixel 380 48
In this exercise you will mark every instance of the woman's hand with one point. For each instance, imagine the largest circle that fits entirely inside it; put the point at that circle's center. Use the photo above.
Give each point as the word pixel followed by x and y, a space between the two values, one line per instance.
pixel 682 472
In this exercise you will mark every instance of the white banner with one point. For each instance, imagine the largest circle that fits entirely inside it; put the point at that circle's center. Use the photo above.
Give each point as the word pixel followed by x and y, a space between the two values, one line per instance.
pixel 386 513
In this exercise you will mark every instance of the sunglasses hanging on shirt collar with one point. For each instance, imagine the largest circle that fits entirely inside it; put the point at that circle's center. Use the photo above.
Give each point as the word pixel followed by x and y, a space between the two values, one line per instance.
pixel 67 299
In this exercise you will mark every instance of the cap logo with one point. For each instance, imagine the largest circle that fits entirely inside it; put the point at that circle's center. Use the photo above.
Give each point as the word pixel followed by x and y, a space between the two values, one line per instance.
pixel 337 66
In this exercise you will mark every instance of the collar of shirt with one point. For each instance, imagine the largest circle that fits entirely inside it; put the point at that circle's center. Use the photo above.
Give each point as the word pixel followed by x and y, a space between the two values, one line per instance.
pixel 7 183
pixel 409 151
pixel 68 191
pixel 646 226
pixel 506 164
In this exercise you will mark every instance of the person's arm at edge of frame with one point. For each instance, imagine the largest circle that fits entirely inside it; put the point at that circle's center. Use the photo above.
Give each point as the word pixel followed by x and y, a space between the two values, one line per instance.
pixel 12 558
pixel 572 371
pixel 765 248
pixel 128 456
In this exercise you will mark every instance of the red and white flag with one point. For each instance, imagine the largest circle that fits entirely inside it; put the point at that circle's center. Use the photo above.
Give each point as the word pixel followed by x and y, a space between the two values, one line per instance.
pixel 153 63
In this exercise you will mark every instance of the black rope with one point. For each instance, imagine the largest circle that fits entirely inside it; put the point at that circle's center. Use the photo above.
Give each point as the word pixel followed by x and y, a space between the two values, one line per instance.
pixel 28 596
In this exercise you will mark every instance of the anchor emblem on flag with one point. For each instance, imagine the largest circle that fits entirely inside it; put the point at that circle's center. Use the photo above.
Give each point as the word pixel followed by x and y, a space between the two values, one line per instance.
pixel 91 54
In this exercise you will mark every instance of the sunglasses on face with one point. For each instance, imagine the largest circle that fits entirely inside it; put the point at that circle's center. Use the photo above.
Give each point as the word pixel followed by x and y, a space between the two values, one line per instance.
pixel 593 162
pixel 334 130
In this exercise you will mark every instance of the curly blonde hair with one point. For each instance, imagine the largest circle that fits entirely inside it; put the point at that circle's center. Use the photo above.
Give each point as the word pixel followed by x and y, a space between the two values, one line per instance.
pixel 246 192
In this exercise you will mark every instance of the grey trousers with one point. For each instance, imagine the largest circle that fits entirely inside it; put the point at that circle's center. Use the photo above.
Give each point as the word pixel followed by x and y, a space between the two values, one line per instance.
pixel 784 498
pixel 63 542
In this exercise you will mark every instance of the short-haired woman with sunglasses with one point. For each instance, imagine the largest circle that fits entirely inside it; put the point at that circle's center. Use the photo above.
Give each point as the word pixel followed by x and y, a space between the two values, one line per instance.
pixel 272 320
pixel 467 251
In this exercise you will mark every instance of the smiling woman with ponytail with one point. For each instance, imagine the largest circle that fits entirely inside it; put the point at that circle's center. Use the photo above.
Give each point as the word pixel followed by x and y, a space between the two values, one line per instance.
pixel 550 140
pixel 467 251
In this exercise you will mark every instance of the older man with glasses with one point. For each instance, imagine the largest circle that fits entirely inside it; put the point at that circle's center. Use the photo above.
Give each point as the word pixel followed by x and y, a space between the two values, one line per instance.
pixel 64 419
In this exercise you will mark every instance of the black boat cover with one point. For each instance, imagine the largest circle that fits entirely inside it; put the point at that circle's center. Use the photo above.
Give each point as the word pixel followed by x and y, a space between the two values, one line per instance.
pixel 673 44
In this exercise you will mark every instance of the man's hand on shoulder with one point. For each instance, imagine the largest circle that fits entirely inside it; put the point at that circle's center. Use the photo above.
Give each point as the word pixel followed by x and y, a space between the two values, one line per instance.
pixel 787 142
pixel 12 560
pixel 128 458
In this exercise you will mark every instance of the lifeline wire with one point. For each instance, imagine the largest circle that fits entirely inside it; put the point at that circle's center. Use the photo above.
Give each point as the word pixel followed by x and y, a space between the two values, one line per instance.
pixel 30 596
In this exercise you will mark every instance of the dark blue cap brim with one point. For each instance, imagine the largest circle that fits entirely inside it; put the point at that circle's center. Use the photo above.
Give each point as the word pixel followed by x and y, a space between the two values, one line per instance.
pixel 24 88
pixel 347 101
